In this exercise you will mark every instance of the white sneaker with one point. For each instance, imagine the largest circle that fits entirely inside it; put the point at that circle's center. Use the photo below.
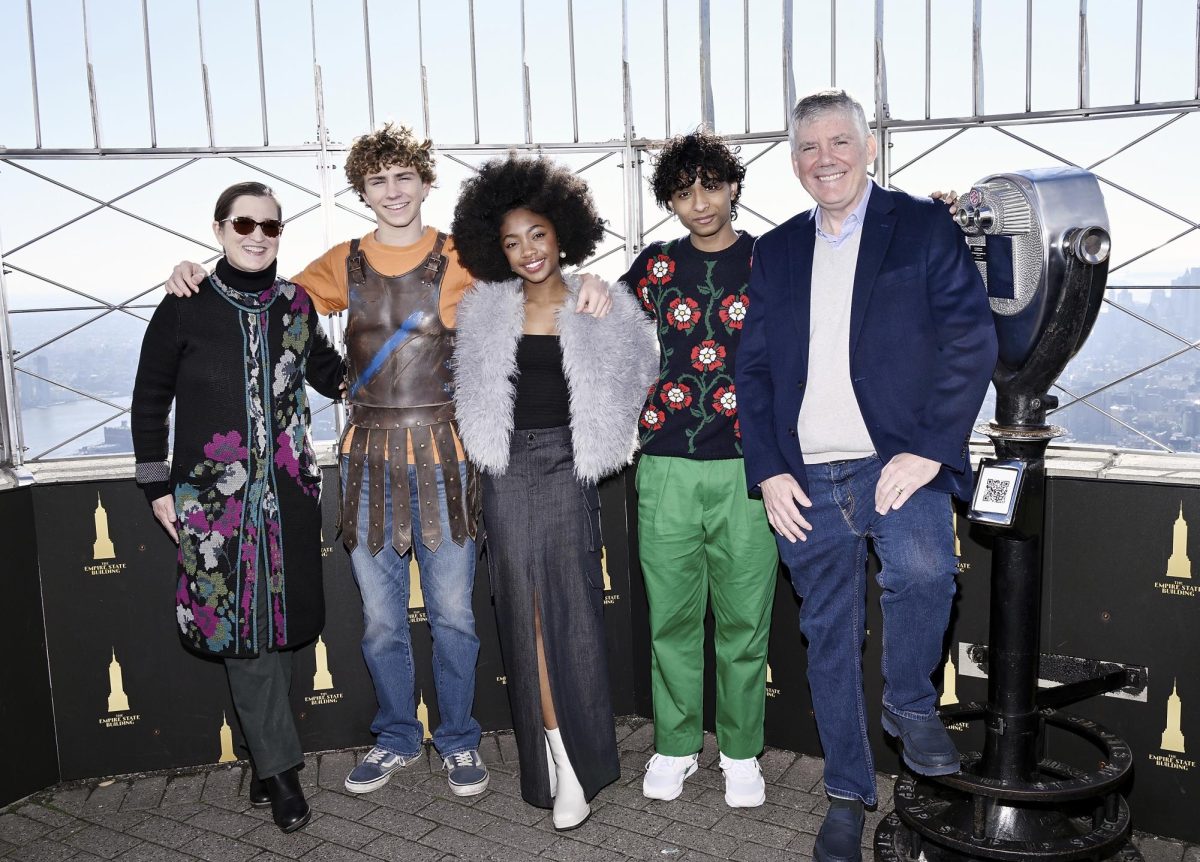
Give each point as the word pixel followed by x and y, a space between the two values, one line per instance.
pixel 744 785
pixel 665 775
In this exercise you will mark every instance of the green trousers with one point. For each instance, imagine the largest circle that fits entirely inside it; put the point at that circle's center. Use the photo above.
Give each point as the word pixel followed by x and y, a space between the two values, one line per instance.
pixel 701 538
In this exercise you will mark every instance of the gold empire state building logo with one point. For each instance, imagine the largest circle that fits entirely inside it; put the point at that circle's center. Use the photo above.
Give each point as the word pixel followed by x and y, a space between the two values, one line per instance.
pixel 102 548
pixel 1172 737
pixel 1178 577
pixel 772 691
pixel 118 701
pixel 949 682
pixel 322 679
pixel 423 716
pixel 226 734
pixel 416 598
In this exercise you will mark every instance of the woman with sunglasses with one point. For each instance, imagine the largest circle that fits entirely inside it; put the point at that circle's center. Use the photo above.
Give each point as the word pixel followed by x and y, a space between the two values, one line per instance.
pixel 547 404
pixel 240 493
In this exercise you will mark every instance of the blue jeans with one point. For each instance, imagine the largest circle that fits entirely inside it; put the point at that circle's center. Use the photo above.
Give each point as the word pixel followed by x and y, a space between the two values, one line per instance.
pixel 915 544
pixel 447 582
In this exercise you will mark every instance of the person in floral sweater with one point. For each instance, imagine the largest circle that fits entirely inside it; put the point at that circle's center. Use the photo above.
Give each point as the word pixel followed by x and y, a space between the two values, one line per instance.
pixel 701 537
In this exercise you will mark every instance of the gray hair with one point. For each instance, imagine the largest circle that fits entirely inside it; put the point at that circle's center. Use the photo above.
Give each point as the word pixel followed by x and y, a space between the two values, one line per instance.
pixel 824 102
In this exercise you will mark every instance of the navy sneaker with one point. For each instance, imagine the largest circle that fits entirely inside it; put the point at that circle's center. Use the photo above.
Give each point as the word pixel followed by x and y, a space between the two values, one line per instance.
pixel 924 744
pixel 467 775
pixel 840 837
pixel 376 769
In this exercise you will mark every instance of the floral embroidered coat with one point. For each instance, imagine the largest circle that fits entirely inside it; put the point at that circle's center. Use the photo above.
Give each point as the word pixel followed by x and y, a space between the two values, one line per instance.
pixel 243 473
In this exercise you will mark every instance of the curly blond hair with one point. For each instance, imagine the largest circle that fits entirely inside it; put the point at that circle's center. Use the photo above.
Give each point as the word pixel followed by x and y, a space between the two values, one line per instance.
pixel 386 146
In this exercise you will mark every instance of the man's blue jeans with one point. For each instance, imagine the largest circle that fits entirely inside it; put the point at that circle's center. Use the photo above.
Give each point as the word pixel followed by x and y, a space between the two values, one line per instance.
pixel 915 544
pixel 447 582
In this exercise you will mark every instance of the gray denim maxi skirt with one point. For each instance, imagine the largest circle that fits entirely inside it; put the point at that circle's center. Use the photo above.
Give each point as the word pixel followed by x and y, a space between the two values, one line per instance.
pixel 543 544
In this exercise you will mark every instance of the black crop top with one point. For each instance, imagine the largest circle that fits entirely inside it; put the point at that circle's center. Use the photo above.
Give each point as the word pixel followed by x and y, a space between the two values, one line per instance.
pixel 542 397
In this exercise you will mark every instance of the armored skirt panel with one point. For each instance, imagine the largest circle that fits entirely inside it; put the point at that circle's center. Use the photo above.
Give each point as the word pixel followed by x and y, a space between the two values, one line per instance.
pixel 543 549
pixel 401 390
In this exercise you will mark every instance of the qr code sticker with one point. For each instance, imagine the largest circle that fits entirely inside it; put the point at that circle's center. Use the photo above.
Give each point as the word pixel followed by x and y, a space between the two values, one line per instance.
pixel 996 490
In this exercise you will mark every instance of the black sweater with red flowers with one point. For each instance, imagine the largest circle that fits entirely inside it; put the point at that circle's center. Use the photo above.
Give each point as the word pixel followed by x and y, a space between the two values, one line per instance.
pixel 698 301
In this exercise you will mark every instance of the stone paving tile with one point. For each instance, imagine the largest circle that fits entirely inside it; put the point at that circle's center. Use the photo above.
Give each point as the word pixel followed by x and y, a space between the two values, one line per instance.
pixel 180 810
pixel 512 809
pixel 347 833
pixel 395 847
pixel 165 831
pixel 1192 854
pixel 336 853
pixel 507 743
pixel 18 829
pixel 6 847
pixel 333 767
pixel 267 856
pixel 184 788
pixel 344 805
pixel 746 829
pixel 696 837
pixel 223 822
pixel 71 799
pixel 691 813
pixel 118 821
pixel 101 841
pixel 643 822
pixel 107 796
pixel 267 836
pixel 225 783
pixel 218 848
pixel 570 850
pixel 401 798
pixel 803 843
pixel 806 773
pixel 42 813
pixel 774 762
pixel 508 854
pixel 641 739
pixel 145 793
pixel 449 814
pixel 759 853
pixel 515 835
pixel 42 850
pixel 461 844
pixel 1159 849
pixel 398 823
pixel 153 853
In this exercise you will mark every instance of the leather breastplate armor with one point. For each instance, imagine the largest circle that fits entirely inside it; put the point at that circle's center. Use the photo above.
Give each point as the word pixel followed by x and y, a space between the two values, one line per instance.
pixel 400 388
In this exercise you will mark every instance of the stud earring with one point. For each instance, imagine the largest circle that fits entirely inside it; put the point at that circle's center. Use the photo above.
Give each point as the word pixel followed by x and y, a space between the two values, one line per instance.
pixel 562 254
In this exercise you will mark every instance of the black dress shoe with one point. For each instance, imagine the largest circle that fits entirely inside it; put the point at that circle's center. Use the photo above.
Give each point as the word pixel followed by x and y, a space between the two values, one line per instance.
pixel 840 837
pixel 259 797
pixel 289 809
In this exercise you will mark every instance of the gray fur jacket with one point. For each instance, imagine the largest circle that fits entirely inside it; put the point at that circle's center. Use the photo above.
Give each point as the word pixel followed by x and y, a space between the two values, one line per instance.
pixel 609 365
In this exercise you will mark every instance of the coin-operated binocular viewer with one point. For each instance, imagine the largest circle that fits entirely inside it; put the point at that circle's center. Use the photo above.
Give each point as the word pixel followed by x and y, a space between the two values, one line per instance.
pixel 1041 241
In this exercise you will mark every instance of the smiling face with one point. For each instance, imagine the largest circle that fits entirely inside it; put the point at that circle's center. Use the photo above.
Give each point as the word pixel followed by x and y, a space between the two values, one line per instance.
pixel 705 209
pixel 830 158
pixel 531 245
pixel 255 251
pixel 395 195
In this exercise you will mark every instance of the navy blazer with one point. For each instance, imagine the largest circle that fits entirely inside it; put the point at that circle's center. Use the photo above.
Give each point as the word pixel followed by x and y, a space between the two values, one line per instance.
pixel 922 341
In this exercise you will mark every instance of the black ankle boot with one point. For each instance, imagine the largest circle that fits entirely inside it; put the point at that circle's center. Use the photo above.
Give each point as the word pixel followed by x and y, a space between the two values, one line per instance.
pixel 289 810
pixel 259 797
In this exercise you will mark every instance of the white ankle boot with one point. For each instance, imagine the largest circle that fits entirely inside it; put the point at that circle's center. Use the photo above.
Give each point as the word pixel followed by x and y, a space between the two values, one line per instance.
pixel 570 806
pixel 550 768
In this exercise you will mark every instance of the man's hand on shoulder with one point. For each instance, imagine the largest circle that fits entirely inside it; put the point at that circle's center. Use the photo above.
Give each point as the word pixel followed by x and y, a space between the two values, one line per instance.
pixel 594 298
pixel 185 279
pixel 900 478
pixel 780 495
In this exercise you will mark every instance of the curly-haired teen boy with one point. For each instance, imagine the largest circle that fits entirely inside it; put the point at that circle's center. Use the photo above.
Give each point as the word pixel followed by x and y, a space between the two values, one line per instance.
pixel 401 284
pixel 701 538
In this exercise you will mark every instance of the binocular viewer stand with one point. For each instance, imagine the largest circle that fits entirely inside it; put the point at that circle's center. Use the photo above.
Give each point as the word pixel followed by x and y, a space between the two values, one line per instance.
pixel 1010 802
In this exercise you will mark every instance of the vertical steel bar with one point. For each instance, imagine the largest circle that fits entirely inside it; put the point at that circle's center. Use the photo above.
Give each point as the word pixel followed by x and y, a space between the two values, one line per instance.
pixel 706 92
pixel 370 70
pixel 149 74
pixel 1028 55
pixel 474 68
pixel 262 73
pixel 1195 49
pixel 526 105
pixel 91 77
pixel 666 70
pixel 882 133
pixel 574 87
pixel 977 59
pixel 424 71
pixel 1137 59
pixel 11 437
pixel 37 112
pixel 928 57
pixel 208 112
pixel 789 72
pixel 833 43
pixel 746 60
pixel 1085 86
pixel 633 188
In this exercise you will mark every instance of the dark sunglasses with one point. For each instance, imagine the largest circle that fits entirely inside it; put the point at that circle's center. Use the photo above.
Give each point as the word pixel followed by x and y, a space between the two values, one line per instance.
pixel 244 226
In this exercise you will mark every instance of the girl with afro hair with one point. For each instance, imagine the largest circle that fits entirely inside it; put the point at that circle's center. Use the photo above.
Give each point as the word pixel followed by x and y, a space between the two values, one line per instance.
pixel 547 403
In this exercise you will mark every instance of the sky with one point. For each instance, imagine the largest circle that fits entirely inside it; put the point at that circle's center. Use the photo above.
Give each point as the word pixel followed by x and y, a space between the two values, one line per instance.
pixel 118 255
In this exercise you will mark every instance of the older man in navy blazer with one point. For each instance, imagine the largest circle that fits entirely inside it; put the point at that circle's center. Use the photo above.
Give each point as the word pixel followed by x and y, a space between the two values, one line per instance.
pixel 866 353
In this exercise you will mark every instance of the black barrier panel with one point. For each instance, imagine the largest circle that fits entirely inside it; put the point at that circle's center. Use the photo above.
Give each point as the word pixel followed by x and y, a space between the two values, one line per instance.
pixel 1123 585
pixel 26 713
